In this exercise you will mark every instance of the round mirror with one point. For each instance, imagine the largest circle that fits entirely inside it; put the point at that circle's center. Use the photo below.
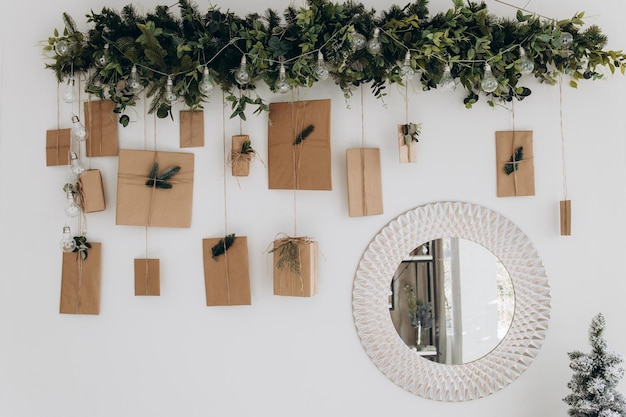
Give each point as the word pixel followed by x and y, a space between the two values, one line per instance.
pixel 402 362
pixel 451 300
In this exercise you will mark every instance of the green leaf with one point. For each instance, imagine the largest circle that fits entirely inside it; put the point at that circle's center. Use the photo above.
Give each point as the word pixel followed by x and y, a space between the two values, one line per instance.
pixel 222 246
pixel 306 132
pixel 513 164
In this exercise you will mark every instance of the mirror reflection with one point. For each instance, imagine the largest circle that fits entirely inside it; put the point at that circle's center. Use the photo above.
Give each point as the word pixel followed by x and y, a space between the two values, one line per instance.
pixel 451 300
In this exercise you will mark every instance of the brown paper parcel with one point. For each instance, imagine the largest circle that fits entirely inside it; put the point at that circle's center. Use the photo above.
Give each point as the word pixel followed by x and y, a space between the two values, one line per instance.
pixel 227 278
pixel 365 187
pixel 240 162
pixel 407 153
pixel 521 182
pixel 101 124
pixel 58 147
pixel 91 191
pixel 80 282
pixel 147 277
pixel 191 129
pixel 306 165
pixel 290 283
pixel 141 205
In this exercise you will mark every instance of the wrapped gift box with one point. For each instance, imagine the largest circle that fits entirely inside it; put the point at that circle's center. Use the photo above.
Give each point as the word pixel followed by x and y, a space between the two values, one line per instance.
pixel 240 162
pixel 515 176
pixel 191 129
pixel 91 191
pixel 139 204
pixel 58 143
pixel 299 156
pixel 365 188
pixel 101 124
pixel 407 153
pixel 147 277
pixel 80 282
pixel 226 276
pixel 295 267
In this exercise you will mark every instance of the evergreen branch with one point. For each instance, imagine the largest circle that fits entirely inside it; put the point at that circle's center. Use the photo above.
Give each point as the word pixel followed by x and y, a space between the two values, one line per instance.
pixel 513 164
pixel 304 134
pixel 160 180
pixel 222 246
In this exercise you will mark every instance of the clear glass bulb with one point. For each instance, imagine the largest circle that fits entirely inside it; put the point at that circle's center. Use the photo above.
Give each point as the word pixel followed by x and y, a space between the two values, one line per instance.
pixel 103 58
pixel 76 167
pixel 357 40
pixel 566 40
pixel 67 243
pixel 62 47
pixel 69 93
pixel 170 97
pixel 78 129
pixel 133 85
pixel 282 86
pixel 206 84
pixel 321 70
pixel 242 76
pixel 526 65
pixel 71 209
pixel 406 71
pixel 489 84
pixel 446 83
pixel 374 46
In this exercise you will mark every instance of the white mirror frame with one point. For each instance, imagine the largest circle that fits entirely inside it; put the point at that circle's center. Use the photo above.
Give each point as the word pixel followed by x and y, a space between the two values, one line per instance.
pixel 405 367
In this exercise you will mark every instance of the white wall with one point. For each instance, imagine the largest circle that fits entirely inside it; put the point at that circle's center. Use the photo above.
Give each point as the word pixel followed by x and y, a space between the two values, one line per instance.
pixel 172 355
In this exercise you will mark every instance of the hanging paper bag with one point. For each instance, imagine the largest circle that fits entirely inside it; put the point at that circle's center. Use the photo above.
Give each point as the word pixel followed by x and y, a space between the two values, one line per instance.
pixel 58 147
pixel 365 188
pixel 226 272
pixel 191 128
pixel 406 151
pixel 515 166
pixel 91 191
pixel 295 266
pixel 101 124
pixel 80 282
pixel 240 159
pixel 299 156
pixel 147 277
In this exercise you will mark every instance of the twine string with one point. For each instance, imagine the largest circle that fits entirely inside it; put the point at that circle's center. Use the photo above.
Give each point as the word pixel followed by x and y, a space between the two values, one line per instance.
pixel 562 127
pixel 362 155
pixel 79 287
pixel 514 162
pixel 226 276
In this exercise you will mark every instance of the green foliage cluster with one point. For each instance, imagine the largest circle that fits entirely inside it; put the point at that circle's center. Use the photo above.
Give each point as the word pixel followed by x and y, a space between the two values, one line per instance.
pixel 466 36
pixel 222 246
pixel 513 164
pixel 161 180
pixel 81 246
pixel 411 132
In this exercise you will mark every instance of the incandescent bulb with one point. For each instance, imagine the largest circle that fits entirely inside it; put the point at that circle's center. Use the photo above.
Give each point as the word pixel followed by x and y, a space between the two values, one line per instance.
pixel 206 84
pixel 357 40
pixel 489 84
pixel 67 243
pixel 406 71
pixel 78 129
pixel 71 208
pixel 170 97
pixel 75 165
pixel 242 76
pixel 69 94
pixel 374 46
pixel 103 58
pixel 282 86
pixel 446 83
pixel 526 65
pixel 321 70
pixel 565 40
pixel 62 48
pixel 133 85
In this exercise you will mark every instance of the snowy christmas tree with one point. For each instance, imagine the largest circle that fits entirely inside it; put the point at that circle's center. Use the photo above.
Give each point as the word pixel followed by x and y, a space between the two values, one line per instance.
pixel 595 378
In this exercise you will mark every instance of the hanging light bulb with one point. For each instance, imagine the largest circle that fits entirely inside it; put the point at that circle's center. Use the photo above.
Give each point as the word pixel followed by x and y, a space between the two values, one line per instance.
pixel 446 83
pixel 565 40
pixel 170 97
pixel 374 46
pixel 321 70
pixel 406 70
pixel 69 94
pixel 62 47
pixel 206 84
pixel 78 129
pixel 489 84
pixel 242 76
pixel 282 86
pixel 75 165
pixel 103 58
pixel 526 65
pixel 357 40
pixel 71 208
pixel 67 243
pixel 133 85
